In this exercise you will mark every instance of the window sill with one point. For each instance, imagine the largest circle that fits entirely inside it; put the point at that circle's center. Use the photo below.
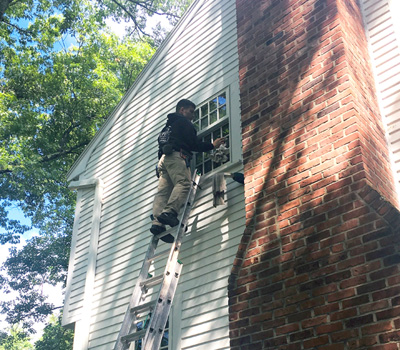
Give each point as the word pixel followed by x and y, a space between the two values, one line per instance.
pixel 226 168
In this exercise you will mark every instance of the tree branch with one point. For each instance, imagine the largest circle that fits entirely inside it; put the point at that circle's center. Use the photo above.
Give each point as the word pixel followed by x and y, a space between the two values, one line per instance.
pixel 152 10
pixel 16 27
pixel 132 17
pixel 62 153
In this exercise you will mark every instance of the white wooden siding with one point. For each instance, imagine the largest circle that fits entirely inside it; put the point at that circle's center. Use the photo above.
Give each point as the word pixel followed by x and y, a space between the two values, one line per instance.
pixel 200 62
pixel 381 20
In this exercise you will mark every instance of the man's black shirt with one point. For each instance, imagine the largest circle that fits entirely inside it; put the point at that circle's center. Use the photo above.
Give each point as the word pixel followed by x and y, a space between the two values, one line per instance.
pixel 184 135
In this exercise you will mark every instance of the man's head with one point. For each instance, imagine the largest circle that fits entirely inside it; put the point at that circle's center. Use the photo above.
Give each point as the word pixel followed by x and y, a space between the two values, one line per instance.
pixel 186 108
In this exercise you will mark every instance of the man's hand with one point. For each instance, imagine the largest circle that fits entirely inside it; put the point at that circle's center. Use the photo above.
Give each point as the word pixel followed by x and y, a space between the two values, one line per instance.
pixel 218 142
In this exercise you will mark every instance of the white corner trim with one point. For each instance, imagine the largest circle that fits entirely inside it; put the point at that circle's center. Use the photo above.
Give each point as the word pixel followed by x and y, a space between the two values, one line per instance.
pixel 82 332
pixel 65 319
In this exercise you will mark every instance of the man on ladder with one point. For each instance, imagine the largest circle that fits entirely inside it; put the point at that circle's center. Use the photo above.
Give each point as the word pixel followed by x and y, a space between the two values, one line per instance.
pixel 177 141
pixel 176 189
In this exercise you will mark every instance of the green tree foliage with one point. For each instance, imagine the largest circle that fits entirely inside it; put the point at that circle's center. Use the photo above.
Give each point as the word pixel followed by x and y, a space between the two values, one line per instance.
pixel 51 104
pixel 55 336
pixel 16 339
pixel 133 13
pixel 43 261
pixel 54 96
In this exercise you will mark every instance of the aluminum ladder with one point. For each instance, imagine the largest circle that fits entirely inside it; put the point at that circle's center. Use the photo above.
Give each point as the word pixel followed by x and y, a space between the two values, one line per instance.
pixel 158 310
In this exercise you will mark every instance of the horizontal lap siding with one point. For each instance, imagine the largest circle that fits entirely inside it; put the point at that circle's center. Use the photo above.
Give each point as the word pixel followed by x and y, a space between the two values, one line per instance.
pixel 380 21
pixel 208 255
pixel 204 55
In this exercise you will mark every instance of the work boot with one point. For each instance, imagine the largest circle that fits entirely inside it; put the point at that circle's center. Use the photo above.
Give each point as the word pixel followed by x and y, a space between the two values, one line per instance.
pixel 168 219
pixel 156 230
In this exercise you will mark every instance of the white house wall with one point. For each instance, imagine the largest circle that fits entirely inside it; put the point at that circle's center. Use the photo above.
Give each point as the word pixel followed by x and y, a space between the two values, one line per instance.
pixel 201 62
pixel 381 19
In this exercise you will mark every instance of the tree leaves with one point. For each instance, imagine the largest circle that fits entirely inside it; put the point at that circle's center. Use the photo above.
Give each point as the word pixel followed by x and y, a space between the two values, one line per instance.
pixel 42 261
pixel 61 74
pixel 55 336
pixel 134 13
pixel 17 339
pixel 51 104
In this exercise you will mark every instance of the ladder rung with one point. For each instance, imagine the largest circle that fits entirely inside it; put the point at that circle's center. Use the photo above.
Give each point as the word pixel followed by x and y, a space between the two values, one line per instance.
pixel 151 281
pixel 159 255
pixel 144 307
pixel 165 233
pixel 133 336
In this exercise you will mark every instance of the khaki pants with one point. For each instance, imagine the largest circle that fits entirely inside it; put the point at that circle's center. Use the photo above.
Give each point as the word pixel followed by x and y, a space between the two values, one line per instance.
pixel 173 185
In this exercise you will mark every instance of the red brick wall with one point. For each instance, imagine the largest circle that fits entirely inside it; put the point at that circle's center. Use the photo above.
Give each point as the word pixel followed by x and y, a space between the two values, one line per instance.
pixel 318 266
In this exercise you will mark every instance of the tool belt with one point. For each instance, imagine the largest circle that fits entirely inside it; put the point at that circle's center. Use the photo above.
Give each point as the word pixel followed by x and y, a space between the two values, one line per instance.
pixel 186 156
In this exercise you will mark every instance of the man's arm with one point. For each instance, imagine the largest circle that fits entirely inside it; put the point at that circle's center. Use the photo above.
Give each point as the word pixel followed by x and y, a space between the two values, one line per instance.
pixel 218 142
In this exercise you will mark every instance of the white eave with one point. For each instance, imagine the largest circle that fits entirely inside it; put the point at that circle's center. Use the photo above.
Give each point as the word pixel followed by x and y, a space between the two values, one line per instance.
pixel 80 164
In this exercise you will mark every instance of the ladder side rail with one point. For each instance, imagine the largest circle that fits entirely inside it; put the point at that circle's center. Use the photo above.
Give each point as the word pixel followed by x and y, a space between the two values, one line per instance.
pixel 136 295
pixel 155 330
pixel 173 255
pixel 172 264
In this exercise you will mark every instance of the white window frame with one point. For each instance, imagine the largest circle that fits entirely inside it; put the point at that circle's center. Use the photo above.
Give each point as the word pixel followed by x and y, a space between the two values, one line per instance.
pixel 231 86
pixel 210 129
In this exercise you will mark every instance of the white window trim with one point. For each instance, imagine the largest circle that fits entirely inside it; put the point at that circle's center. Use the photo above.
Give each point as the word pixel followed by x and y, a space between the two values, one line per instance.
pixel 216 125
pixel 231 86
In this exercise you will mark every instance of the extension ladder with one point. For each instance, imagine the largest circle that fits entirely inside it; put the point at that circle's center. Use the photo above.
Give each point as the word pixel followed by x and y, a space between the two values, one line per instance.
pixel 158 310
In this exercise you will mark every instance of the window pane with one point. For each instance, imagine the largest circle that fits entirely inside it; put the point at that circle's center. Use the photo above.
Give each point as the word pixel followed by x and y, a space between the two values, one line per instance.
pixel 207 167
pixel 199 158
pixel 222 111
pixel 196 125
pixel 213 117
pixel 213 104
pixel 196 115
pixel 225 130
pixel 225 133
pixel 207 138
pixel 217 134
pixel 164 340
pixel 204 110
pixel 204 122
pixel 222 99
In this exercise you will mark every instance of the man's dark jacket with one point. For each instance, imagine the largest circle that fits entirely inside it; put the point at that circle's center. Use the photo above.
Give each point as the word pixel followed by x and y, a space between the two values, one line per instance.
pixel 184 135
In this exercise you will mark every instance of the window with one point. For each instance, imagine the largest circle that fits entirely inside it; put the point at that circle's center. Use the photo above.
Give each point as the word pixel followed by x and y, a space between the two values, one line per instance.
pixel 144 321
pixel 165 338
pixel 211 122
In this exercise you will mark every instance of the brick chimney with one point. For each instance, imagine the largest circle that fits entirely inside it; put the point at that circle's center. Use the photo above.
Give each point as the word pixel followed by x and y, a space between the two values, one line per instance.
pixel 318 266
